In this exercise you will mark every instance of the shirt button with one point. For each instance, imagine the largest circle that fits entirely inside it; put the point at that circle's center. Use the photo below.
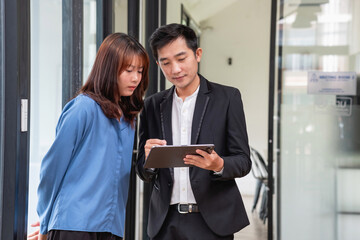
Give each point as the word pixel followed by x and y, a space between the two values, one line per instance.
pixel 183 189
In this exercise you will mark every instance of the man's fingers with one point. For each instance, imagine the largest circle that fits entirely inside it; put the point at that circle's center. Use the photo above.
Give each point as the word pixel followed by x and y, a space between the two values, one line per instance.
pixel 155 141
pixel 209 161
pixel 152 142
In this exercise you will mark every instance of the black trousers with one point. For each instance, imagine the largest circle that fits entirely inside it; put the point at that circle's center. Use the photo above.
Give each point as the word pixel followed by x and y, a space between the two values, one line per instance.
pixel 190 226
pixel 74 235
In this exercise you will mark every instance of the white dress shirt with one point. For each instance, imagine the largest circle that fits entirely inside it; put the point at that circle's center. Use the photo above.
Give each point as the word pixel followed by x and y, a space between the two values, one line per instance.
pixel 182 116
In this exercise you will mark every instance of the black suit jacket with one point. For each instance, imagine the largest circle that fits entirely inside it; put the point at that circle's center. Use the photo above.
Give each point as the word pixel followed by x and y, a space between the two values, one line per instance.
pixel 218 119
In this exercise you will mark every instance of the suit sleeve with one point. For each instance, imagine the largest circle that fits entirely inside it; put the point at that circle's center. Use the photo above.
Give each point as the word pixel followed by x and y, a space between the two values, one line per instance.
pixel 69 131
pixel 237 161
pixel 146 175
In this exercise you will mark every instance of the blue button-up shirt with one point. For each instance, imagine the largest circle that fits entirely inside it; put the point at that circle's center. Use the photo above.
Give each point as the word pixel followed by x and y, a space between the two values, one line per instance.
pixel 84 176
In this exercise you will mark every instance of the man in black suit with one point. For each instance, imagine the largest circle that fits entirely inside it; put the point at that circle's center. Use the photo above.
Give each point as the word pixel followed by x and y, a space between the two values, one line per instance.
pixel 201 201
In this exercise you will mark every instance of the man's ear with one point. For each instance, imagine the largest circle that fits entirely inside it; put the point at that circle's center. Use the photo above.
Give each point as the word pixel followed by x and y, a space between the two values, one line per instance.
pixel 198 54
pixel 157 63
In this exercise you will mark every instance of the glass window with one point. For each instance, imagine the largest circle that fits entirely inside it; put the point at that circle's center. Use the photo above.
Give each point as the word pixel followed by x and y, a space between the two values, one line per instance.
pixel 319 133
pixel 46 88
pixel 89 36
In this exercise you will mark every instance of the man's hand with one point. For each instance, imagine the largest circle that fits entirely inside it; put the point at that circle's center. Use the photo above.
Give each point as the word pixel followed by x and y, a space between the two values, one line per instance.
pixel 207 161
pixel 150 143
pixel 36 235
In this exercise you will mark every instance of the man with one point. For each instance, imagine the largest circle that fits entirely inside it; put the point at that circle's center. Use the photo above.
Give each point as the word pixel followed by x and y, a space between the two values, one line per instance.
pixel 201 201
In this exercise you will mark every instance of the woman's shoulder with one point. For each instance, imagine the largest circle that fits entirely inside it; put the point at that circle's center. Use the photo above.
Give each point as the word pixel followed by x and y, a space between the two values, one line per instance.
pixel 82 101
pixel 81 105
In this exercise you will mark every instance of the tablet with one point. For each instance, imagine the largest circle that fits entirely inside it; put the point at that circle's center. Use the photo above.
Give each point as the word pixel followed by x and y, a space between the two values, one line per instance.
pixel 173 156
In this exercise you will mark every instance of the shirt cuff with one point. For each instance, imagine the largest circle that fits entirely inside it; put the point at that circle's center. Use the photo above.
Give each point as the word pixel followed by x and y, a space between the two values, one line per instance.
pixel 43 229
pixel 219 173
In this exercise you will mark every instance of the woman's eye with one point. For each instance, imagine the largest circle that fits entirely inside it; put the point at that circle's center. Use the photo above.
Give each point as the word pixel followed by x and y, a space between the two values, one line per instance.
pixel 181 59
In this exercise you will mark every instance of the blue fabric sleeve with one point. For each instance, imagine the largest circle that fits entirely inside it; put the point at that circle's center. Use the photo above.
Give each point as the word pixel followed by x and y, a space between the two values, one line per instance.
pixel 73 122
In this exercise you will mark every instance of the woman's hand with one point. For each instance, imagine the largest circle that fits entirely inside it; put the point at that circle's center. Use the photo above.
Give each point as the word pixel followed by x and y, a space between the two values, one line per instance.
pixel 36 235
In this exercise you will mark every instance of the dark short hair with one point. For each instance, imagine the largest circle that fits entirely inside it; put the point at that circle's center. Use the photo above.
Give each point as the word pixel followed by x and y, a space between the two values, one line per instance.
pixel 169 33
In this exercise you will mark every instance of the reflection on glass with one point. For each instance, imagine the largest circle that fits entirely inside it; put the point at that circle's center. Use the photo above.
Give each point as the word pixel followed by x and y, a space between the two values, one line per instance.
pixel 46 87
pixel 320 134
pixel 89 36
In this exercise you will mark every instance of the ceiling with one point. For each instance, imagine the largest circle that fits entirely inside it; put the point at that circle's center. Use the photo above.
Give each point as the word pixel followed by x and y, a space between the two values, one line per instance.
pixel 201 10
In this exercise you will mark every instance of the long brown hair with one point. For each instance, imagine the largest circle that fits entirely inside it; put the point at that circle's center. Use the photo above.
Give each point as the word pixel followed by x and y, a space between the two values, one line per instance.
pixel 114 55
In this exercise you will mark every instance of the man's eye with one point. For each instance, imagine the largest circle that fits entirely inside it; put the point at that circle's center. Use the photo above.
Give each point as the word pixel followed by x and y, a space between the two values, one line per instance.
pixel 181 59
pixel 165 63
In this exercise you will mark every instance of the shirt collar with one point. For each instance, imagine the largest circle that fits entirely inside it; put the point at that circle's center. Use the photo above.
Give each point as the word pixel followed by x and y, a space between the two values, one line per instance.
pixel 178 99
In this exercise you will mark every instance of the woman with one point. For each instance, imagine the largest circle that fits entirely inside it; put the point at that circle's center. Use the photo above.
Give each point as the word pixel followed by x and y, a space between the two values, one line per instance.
pixel 84 177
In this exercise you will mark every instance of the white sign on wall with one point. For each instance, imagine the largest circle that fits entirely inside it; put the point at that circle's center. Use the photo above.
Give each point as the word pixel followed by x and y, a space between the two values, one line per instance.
pixel 332 83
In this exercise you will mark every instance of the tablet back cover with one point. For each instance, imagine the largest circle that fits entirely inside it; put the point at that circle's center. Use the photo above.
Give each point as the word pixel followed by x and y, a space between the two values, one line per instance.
pixel 173 156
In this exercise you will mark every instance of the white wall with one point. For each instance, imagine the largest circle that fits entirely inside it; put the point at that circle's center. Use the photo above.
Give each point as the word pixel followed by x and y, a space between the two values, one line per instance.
pixel 173 9
pixel 120 16
pixel 240 31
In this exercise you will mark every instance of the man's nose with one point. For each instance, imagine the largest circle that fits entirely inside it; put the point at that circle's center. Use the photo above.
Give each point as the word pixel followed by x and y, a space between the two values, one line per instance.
pixel 176 68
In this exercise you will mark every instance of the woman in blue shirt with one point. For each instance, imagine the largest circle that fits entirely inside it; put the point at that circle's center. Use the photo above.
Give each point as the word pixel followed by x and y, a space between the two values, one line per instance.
pixel 84 177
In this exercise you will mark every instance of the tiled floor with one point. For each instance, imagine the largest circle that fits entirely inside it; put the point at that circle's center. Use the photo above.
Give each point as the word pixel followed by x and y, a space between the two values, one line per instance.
pixel 257 230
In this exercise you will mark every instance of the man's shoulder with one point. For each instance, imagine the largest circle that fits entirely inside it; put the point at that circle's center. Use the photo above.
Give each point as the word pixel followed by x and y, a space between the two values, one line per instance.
pixel 217 88
pixel 157 97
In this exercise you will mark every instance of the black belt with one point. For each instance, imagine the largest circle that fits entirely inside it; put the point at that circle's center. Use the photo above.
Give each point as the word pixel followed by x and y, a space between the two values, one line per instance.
pixel 185 208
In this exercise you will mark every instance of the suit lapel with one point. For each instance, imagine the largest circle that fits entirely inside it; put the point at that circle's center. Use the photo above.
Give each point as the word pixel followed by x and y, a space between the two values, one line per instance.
pixel 166 125
pixel 199 111
pixel 165 116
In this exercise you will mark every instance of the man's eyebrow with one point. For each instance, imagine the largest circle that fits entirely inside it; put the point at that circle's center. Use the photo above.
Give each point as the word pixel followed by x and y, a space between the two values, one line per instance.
pixel 176 55
pixel 180 54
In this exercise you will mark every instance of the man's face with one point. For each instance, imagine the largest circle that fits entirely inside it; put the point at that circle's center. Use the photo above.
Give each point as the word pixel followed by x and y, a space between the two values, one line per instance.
pixel 179 64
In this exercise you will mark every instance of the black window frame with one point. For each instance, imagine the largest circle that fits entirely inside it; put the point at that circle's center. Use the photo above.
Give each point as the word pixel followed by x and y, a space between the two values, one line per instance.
pixel 15 16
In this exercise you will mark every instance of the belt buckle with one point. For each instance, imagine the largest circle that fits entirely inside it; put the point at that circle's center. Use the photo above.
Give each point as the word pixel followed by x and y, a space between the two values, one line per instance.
pixel 179 209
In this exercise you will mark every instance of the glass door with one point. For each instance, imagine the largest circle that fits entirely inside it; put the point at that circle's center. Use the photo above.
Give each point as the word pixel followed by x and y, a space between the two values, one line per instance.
pixel 319 122
pixel 46 88
pixel 48 61
pixel 1 110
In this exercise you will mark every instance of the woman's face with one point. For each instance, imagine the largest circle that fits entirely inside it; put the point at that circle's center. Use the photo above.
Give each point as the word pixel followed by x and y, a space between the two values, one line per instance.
pixel 130 78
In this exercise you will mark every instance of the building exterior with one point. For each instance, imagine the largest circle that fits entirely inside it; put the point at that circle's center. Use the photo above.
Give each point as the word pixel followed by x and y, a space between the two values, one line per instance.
pixel 296 63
